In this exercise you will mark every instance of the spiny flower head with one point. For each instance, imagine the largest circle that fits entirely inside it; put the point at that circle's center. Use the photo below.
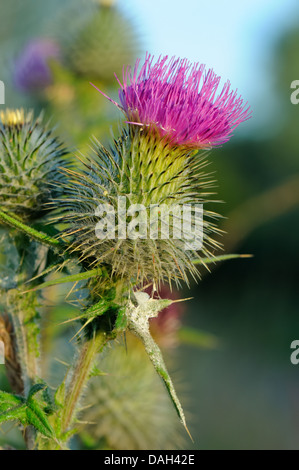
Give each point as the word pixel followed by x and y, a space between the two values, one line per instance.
pixel 139 174
pixel 180 101
pixel 154 163
pixel 103 41
pixel 30 162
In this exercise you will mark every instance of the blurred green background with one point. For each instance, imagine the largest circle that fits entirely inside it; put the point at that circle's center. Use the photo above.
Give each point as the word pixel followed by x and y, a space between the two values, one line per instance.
pixel 244 392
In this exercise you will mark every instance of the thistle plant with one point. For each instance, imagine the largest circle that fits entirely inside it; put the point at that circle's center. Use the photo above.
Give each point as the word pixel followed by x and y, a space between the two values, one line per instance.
pixel 30 162
pixel 53 70
pixel 115 420
pixel 101 43
pixel 137 214
pixel 154 163
pixel 172 112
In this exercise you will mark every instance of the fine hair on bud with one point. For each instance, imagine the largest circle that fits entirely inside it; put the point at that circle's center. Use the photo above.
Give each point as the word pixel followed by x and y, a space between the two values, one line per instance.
pixel 140 170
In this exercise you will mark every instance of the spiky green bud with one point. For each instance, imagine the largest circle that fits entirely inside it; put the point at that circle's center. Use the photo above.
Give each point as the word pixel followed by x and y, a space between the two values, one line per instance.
pixel 139 170
pixel 30 164
pixel 103 43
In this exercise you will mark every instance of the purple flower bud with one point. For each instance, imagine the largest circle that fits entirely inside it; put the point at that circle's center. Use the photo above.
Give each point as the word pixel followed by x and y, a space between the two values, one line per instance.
pixel 32 71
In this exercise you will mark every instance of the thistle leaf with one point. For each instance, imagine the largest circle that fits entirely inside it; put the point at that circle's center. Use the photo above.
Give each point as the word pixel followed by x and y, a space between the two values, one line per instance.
pixel 121 322
pixel 216 259
pixel 37 418
pixel 9 401
pixel 28 411
pixel 34 390
pixel 14 413
pixel 71 278
pixel 138 323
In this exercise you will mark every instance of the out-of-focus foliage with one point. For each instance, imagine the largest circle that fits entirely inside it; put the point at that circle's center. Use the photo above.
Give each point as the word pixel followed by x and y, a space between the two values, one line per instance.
pixel 129 408
pixel 95 40
pixel 248 389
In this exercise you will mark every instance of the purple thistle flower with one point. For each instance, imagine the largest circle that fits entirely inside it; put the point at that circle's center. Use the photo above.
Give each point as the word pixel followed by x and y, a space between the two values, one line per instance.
pixel 31 71
pixel 180 101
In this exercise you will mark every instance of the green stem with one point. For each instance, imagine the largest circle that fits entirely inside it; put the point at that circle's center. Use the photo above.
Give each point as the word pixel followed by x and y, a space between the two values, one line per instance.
pixel 31 232
pixel 79 377
pixel 23 311
pixel 22 308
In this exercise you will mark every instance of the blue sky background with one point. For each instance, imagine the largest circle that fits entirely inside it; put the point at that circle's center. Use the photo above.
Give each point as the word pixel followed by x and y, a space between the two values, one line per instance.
pixel 233 37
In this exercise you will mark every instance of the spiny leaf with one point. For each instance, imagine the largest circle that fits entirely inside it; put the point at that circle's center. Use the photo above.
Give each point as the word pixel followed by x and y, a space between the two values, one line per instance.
pixel 155 355
pixel 46 271
pixel 121 322
pixel 71 278
pixel 12 407
pixel 35 413
pixel 215 259
pixel 139 325
pixel 28 411
pixel 8 401
pixel 34 390
pixel 38 418
pixel 97 309
pixel 15 413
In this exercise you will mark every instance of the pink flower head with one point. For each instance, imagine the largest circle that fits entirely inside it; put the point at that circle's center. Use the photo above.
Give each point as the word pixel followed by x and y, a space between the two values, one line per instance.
pixel 180 100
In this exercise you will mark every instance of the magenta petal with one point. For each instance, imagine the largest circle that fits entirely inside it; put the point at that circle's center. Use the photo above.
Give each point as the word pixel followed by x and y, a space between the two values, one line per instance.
pixel 180 100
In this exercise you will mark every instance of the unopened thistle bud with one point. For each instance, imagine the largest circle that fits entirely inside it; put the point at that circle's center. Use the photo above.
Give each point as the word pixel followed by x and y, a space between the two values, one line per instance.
pixel 30 164
pixel 32 71
pixel 154 169
pixel 103 42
